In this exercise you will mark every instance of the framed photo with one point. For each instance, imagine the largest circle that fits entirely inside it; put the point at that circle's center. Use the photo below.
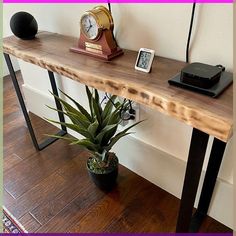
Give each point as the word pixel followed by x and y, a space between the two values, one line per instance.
pixel 144 60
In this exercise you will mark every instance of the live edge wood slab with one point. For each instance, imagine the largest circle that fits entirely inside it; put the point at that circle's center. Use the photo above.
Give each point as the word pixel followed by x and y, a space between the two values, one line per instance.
pixel 51 51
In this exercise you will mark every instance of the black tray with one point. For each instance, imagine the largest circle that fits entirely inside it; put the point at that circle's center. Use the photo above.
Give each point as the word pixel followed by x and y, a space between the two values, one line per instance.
pixel 225 80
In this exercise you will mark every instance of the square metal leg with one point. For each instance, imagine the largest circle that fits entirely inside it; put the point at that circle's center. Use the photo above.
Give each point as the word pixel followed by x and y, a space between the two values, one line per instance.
pixel 48 141
pixel 213 167
pixel 187 222
pixel 192 176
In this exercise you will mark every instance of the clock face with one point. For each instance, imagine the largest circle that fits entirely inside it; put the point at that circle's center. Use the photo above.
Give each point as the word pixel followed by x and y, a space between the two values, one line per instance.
pixel 89 26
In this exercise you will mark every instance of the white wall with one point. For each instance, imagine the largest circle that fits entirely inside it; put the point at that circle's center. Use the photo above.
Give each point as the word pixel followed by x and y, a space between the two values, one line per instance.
pixel 161 147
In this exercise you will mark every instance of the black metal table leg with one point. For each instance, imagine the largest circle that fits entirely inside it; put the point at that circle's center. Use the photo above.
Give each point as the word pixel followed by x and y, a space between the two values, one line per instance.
pixel 212 171
pixel 196 156
pixel 58 104
pixel 24 110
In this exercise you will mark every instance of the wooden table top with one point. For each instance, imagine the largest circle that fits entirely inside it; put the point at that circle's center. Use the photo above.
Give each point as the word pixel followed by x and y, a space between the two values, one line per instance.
pixel 51 51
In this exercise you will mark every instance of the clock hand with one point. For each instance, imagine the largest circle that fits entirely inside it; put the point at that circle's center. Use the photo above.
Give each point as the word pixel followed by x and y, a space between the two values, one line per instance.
pixel 89 28
pixel 90 23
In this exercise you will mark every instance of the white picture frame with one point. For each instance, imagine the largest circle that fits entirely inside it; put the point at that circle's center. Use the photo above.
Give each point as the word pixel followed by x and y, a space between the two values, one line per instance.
pixel 144 60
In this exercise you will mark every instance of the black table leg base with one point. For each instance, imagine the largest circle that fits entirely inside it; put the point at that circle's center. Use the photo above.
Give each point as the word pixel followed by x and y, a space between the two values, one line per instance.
pixel 63 130
pixel 49 141
pixel 187 222
pixel 196 156
pixel 213 167
pixel 196 221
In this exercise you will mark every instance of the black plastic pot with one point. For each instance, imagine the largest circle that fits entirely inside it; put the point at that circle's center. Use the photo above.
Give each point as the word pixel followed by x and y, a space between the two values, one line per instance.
pixel 106 181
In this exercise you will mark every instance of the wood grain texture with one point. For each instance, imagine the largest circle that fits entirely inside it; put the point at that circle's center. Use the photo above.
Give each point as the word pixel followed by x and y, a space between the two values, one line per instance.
pixel 10 162
pixel 16 180
pixel 65 199
pixel 39 194
pixel 29 222
pixel 51 51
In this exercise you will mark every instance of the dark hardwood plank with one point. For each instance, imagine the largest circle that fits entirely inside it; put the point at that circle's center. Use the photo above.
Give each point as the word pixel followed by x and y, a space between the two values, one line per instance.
pixel 40 165
pixel 73 212
pixel 134 217
pixel 41 192
pixel 7 198
pixel 104 210
pixel 29 222
pixel 11 161
pixel 211 225
pixel 107 208
pixel 75 185
pixel 130 203
pixel 82 204
pixel 22 139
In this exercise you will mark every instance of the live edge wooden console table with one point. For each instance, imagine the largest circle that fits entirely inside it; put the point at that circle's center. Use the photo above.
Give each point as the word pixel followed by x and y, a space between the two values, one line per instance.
pixel 206 115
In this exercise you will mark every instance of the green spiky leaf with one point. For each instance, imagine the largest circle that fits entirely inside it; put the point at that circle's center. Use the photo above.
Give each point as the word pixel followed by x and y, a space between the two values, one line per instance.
pixel 74 127
pixel 97 111
pixel 87 144
pixel 82 110
pixel 104 131
pixel 73 117
pixel 120 135
pixel 93 128
pixel 108 108
pixel 115 139
pixel 96 96
pixel 90 100
pixel 62 137
pixel 82 118
pixel 108 135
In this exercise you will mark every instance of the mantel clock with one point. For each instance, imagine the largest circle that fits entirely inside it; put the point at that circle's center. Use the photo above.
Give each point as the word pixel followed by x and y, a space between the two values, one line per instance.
pixel 96 34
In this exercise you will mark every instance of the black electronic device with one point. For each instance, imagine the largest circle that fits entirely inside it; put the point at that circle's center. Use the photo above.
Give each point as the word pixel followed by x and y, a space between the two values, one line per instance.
pixel 224 82
pixel 200 75
pixel 24 25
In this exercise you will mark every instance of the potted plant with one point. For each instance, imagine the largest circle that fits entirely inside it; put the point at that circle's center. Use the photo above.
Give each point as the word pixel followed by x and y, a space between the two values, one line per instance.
pixel 99 127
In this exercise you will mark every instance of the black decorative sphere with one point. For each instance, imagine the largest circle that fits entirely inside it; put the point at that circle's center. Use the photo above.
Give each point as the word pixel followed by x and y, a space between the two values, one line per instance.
pixel 23 25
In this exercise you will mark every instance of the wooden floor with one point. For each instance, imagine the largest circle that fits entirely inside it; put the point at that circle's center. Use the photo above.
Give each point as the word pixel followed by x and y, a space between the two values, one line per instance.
pixel 50 191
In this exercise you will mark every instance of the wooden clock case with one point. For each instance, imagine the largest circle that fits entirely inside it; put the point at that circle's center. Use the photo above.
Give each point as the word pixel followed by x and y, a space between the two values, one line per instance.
pixel 104 46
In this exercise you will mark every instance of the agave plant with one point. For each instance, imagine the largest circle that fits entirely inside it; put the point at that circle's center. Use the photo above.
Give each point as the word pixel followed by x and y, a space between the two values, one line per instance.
pixel 98 127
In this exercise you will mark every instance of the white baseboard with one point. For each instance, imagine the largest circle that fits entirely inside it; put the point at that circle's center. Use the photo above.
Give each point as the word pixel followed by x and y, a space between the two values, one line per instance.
pixel 158 167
